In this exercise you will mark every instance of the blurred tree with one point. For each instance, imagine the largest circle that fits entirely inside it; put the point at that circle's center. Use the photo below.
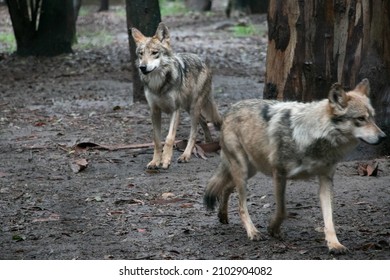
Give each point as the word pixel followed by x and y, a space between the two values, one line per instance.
pixel 42 27
pixel 145 16
pixel 104 5
pixel 198 5
pixel 245 7
pixel 313 44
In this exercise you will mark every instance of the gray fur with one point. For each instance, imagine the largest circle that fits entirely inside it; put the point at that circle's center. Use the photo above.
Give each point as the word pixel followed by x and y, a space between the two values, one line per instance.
pixel 290 140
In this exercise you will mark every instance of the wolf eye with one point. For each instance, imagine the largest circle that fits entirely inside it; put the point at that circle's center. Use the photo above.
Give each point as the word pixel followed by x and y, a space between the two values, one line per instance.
pixel 140 53
pixel 361 119
pixel 154 52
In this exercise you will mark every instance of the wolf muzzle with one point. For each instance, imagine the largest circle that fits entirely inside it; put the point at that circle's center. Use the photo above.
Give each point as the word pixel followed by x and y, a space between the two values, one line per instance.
pixel 144 69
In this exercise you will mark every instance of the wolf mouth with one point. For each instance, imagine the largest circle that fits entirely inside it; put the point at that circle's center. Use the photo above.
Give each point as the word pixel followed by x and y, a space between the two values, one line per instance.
pixel 145 70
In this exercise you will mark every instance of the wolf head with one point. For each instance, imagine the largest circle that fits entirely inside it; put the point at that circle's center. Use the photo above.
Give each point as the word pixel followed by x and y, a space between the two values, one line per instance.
pixel 151 50
pixel 352 113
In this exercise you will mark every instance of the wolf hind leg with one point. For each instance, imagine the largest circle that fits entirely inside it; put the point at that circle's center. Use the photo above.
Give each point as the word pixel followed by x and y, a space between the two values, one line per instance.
pixel 195 114
pixel 219 189
pixel 207 134
pixel 240 173
pixel 224 202
pixel 211 113
pixel 279 181
pixel 326 197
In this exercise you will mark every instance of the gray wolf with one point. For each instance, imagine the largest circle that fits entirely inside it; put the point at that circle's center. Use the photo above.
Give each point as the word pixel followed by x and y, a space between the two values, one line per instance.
pixel 174 82
pixel 290 140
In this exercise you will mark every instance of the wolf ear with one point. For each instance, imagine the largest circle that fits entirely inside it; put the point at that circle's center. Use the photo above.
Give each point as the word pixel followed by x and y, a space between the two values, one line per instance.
pixel 338 99
pixel 363 87
pixel 162 33
pixel 137 35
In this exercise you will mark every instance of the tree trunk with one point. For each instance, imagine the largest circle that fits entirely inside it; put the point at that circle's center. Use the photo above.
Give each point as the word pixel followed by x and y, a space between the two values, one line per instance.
pixel 145 16
pixel 53 35
pixel 104 5
pixel 237 8
pixel 313 44
pixel 198 5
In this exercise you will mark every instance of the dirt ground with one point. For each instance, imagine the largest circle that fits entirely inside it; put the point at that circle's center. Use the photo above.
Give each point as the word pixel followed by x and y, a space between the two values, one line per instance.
pixel 114 209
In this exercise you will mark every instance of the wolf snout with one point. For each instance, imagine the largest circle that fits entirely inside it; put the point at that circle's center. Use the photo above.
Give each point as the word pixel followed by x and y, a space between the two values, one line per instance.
pixel 375 140
pixel 143 69
pixel 382 136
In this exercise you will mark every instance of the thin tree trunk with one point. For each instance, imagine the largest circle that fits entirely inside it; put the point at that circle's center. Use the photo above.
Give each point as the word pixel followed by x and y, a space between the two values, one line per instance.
pixel 104 5
pixel 145 16
pixel 237 8
pixel 313 44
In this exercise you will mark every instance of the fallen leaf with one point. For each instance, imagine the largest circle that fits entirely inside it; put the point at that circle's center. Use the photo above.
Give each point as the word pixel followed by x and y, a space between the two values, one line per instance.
pixel 39 123
pixel 116 212
pixel 199 152
pixel 18 237
pixel 186 205
pixel 167 195
pixel 368 169
pixel 97 198
pixel 78 165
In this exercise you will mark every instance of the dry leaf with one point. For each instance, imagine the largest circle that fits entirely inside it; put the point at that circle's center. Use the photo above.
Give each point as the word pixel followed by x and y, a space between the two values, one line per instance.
pixel 167 195
pixel 368 169
pixel 78 165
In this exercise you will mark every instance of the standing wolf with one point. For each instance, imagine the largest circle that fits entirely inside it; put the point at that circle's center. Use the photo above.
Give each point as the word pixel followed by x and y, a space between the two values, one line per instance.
pixel 290 140
pixel 173 82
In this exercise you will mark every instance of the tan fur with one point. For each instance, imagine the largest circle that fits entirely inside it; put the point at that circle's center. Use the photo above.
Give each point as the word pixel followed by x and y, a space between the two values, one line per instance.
pixel 174 82
pixel 290 140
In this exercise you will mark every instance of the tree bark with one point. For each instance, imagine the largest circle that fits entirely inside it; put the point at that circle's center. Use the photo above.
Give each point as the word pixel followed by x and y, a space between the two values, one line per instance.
pixel 313 44
pixel 53 35
pixel 198 5
pixel 104 5
pixel 145 16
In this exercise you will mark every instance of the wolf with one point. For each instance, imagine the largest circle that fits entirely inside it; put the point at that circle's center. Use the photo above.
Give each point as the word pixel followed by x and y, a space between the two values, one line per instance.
pixel 290 140
pixel 174 82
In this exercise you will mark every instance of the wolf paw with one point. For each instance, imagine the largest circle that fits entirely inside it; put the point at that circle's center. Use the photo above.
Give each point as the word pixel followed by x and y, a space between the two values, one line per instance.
pixel 166 165
pixel 338 249
pixel 223 218
pixel 153 165
pixel 255 235
pixel 275 233
pixel 183 159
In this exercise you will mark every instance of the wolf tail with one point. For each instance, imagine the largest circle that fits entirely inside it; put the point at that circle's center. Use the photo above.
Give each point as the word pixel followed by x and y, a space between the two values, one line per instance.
pixel 217 184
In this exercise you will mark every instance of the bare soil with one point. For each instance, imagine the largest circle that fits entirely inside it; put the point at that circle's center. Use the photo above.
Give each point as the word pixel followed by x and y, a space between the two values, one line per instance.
pixel 114 208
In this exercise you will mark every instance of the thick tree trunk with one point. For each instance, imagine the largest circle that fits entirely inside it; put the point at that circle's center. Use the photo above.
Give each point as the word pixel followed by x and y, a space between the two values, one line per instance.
pixel 313 44
pixel 53 35
pixel 145 16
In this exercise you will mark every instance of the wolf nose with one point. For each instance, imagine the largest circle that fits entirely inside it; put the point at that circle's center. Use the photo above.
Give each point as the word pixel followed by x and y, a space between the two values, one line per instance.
pixel 382 136
pixel 143 69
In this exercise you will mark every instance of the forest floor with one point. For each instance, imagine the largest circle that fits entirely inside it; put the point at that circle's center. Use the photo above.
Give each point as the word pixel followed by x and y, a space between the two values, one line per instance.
pixel 51 208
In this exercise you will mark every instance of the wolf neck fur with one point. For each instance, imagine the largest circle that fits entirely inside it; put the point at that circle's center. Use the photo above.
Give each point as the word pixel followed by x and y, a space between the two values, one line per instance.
pixel 163 78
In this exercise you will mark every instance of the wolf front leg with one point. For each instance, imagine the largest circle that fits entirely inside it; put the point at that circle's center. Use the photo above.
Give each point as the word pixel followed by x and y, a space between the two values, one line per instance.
pixel 170 140
pixel 326 197
pixel 156 123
